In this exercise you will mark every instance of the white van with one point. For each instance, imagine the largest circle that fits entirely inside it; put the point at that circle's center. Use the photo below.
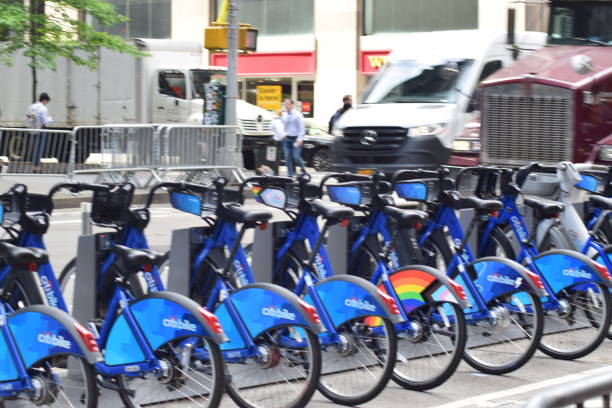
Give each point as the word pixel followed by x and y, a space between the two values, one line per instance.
pixel 415 107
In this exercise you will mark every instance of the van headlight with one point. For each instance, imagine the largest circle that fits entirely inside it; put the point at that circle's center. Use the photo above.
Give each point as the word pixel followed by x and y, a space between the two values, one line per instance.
pixel 427 130
pixel 338 132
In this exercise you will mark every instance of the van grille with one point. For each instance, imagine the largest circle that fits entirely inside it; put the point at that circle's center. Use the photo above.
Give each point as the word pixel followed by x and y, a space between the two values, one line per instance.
pixel 386 138
pixel 519 129
pixel 249 125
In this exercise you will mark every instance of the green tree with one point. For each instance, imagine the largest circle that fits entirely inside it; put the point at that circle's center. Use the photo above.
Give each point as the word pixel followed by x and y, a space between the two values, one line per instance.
pixel 45 30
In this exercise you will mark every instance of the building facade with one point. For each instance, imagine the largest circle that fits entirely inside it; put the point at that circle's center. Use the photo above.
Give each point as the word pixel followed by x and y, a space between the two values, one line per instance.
pixel 316 51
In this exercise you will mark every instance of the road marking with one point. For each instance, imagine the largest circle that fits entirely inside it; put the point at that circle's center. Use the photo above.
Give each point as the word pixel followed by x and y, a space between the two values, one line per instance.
pixel 486 400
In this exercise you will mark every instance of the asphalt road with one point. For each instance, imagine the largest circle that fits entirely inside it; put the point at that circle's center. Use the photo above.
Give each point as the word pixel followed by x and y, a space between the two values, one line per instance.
pixel 467 388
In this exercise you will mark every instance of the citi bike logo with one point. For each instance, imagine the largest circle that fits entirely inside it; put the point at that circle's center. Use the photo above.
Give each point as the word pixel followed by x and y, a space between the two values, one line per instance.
pixel 321 271
pixel 359 304
pixel 175 323
pixel 49 292
pixel 274 311
pixel 520 229
pixel 150 282
pixel 505 280
pixel 53 340
pixel 576 273
pixel 240 273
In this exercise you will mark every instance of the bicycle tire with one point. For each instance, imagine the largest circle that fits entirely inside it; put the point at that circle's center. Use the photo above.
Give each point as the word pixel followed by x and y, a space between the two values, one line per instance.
pixel 418 373
pixel 575 297
pixel 555 238
pixel 24 291
pixel 169 386
pixel 499 245
pixel 67 280
pixel 72 389
pixel 608 251
pixel 352 391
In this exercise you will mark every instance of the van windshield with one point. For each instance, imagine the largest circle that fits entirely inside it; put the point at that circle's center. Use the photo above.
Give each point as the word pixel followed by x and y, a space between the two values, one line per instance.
pixel 581 23
pixel 415 81
pixel 200 77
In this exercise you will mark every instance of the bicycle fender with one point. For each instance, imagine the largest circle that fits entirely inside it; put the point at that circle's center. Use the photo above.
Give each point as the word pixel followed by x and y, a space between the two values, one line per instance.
pixel 346 297
pixel 494 276
pixel 40 331
pixel 416 285
pixel 563 268
pixel 262 306
pixel 166 316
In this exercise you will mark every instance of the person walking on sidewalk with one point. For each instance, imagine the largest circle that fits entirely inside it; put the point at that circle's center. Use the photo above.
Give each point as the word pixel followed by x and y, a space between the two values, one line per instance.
pixel 292 145
pixel 38 117
pixel 347 103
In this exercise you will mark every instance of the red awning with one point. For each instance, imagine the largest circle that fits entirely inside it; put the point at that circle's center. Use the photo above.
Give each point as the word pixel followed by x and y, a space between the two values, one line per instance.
pixel 271 63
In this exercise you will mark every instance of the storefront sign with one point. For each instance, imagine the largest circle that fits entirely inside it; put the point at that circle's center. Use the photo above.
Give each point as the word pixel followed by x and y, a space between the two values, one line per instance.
pixel 271 63
pixel 269 97
pixel 372 61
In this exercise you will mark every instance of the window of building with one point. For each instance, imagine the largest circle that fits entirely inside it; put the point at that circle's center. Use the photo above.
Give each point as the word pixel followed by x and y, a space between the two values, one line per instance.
pixel 148 19
pixel 305 96
pixel 391 16
pixel 277 17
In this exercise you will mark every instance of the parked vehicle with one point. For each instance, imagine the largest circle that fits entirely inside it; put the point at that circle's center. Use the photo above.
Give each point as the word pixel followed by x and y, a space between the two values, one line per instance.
pixel 421 100
pixel 164 87
pixel 316 150
pixel 556 104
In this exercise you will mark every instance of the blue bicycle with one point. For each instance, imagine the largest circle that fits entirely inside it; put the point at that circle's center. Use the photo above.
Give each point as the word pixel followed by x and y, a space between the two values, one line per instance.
pixel 38 343
pixel 156 347
pixel 431 341
pixel 505 317
pixel 358 346
pixel 273 356
pixel 576 308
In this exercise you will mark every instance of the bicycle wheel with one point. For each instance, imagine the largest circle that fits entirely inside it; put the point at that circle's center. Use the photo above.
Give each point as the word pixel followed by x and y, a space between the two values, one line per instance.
pixel 67 282
pixel 356 369
pixel 581 324
pixel 430 354
pixel 597 258
pixel 437 252
pixel 363 264
pixel 500 244
pixel 285 373
pixel 555 238
pixel 508 338
pixel 54 385
pixel 22 291
pixel 192 371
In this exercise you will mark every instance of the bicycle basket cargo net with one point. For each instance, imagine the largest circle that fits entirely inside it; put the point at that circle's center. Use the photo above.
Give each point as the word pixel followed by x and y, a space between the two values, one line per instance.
pixel 108 207
pixel 351 193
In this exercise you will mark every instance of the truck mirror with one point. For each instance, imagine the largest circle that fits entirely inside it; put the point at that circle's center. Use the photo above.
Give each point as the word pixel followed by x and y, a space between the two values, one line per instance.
pixel 474 103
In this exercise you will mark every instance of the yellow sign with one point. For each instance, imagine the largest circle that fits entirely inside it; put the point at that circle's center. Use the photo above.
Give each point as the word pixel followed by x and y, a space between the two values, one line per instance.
pixel 269 97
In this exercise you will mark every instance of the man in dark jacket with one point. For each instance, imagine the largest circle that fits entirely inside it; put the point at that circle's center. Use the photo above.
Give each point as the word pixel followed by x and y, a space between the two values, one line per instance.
pixel 347 103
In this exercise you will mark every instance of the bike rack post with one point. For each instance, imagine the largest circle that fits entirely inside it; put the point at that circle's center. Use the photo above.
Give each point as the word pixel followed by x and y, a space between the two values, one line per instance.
pixel 84 296
pixel 180 255
pixel 85 220
pixel 262 263
pixel 337 247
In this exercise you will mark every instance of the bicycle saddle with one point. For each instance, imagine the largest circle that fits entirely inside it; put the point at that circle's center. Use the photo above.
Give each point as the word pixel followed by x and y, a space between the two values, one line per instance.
pixel 133 258
pixel 458 202
pixel 544 209
pixel 331 211
pixel 240 214
pixel 601 202
pixel 14 255
pixel 405 218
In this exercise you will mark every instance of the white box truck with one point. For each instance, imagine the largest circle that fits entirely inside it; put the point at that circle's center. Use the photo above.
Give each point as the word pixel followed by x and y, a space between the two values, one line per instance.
pixel 414 111
pixel 164 87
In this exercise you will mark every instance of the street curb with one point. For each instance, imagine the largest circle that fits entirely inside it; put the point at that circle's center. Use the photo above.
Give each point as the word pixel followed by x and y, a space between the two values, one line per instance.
pixel 140 198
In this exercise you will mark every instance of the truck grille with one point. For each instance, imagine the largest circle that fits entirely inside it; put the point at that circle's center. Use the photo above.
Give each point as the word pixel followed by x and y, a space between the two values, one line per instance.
pixel 250 125
pixel 519 129
pixel 386 138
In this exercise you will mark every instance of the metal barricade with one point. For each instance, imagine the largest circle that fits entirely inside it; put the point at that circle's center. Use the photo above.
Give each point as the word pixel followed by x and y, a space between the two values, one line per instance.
pixel 196 149
pixel 598 387
pixel 29 151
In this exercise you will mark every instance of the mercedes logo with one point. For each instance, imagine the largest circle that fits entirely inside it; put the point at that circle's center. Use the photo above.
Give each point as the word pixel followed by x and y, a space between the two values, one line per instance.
pixel 368 137
pixel 259 118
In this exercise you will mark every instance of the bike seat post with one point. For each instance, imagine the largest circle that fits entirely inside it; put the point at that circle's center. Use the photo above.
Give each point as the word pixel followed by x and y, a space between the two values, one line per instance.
pixel 320 240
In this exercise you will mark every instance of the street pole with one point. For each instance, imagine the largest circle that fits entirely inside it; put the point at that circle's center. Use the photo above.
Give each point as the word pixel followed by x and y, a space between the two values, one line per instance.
pixel 232 64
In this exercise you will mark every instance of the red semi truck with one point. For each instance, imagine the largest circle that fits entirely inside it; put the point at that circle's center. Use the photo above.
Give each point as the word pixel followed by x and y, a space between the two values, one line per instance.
pixel 555 104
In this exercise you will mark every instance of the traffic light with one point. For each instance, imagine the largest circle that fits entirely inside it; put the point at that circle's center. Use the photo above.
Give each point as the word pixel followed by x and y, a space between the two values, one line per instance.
pixel 215 37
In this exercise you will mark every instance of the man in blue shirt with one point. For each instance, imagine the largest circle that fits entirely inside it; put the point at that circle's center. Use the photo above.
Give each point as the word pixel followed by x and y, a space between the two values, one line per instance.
pixel 294 131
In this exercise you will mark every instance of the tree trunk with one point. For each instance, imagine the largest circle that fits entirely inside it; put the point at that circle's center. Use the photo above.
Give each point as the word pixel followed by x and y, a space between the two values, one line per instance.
pixel 36 7
pixel 34 79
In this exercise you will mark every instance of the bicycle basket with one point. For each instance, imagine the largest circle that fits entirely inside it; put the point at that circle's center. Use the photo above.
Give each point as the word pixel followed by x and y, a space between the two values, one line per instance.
pixel 276 196
pixel 108 207
pixel 589 183
pixel 12 207
pixel 351 193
